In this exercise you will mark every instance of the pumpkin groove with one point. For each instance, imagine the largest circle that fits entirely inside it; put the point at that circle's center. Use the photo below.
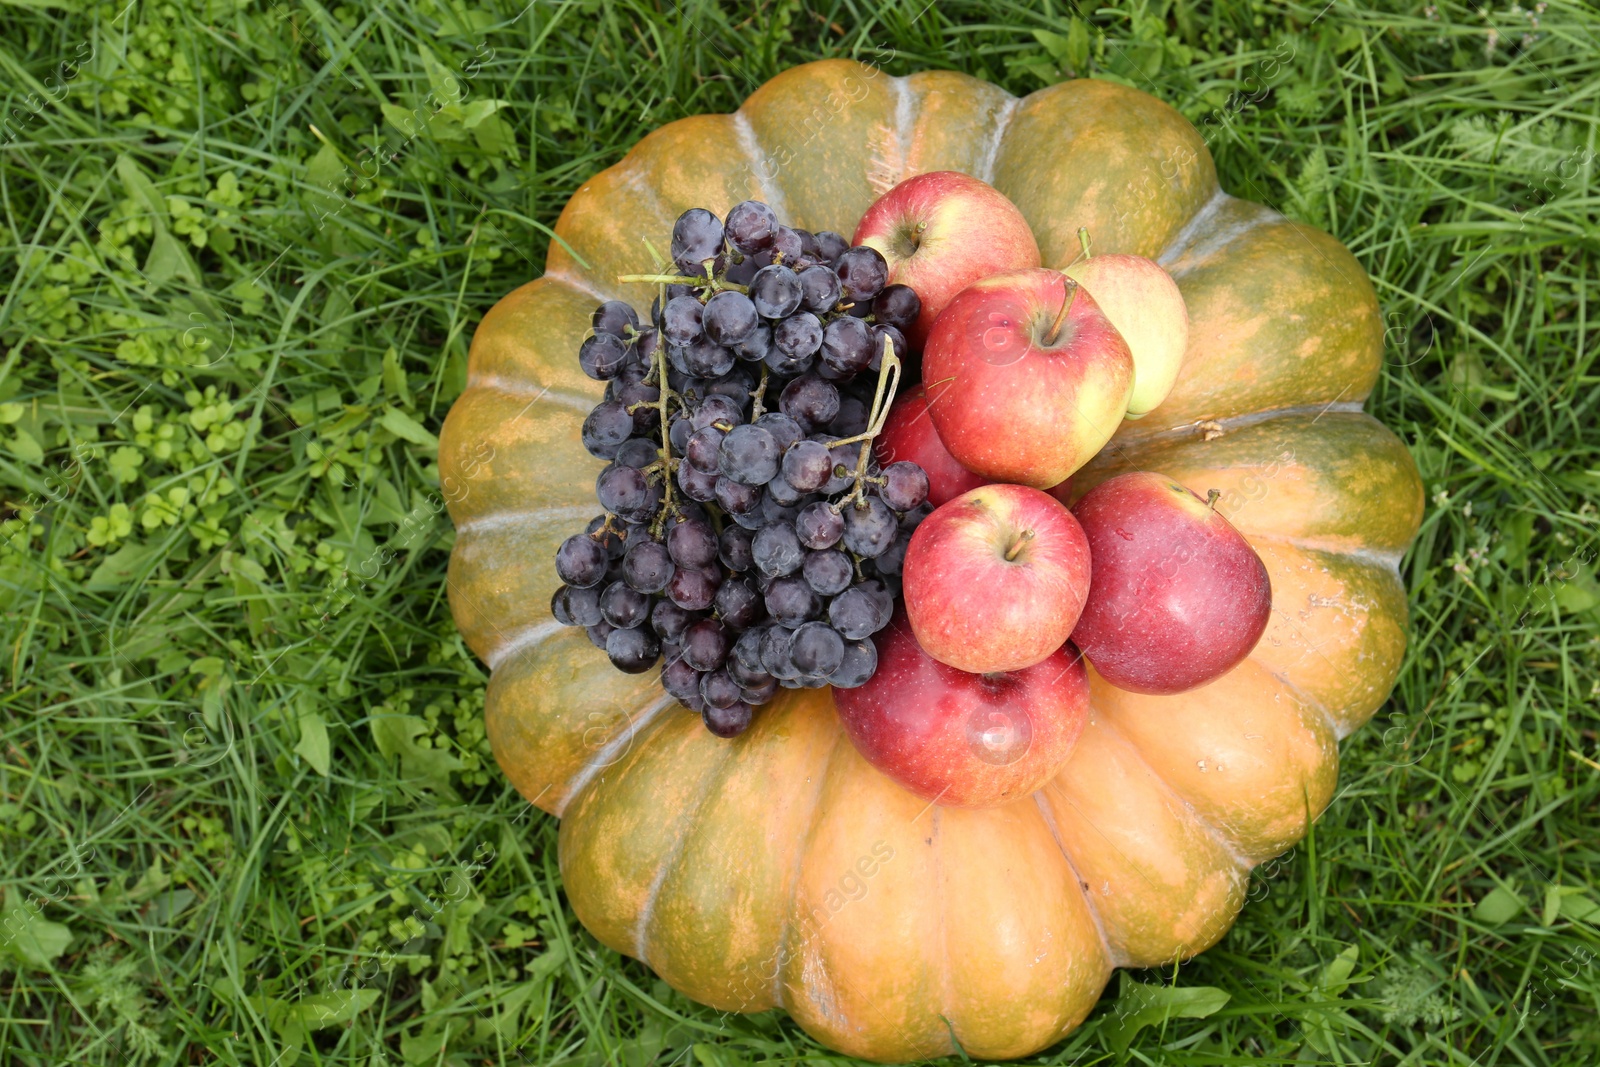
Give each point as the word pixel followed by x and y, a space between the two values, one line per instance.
pixel 736 869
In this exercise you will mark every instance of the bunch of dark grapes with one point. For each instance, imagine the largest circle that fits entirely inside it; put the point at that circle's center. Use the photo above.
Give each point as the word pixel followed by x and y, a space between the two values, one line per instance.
pixel 749 538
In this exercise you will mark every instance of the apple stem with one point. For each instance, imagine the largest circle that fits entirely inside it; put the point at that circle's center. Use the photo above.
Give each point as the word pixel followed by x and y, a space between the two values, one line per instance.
pixel 1212 496
pixel 1016 546
pixel 1061 316
pixel 1083 241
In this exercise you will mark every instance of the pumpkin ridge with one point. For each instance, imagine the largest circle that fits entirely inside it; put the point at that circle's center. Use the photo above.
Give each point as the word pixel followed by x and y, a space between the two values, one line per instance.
pixel 1242 861
pixel 772 191
pixel 1077 879
pixel 495 520
pixel 781 952
pixel 576 280
pixel 1002 123
pixel 946 994
pixel 605 755
pixel 1194 240
pixel 538 390
pixel 523 639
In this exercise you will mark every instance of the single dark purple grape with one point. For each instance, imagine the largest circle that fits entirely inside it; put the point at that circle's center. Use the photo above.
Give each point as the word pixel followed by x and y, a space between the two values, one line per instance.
pixel 727 722
pixel 694 588
pixel 776 646
pixel 892 560
pixel 845 458
pixel 602 356
pixel 718 689
pixel 905 485
pixel 606 428
pixel 680 679
pixel 606 536
pixel 707 359
pixel 819 289
pixel 581 561
pixel 559 605
pixel 718 408
pixel 786 246
pixel 855 614
pixel 638 453
pixel 807 465
pixel 736 498
pixel 729 317
pixel 705 645
pixel 749 455
pixel 828 572
pixel 831 246
pixel 751 227
pixel 859 664
pixel 775 292
pixel 910 520
pixel 852 418
pixel 780 496
pixel 817 649
pixel 757 346
pixel 697 485
pixel 897 305
pixel 669 620
pixel 681 320
pixel 791 602
pixel 738 604
pixel 615 317
pixel 784 430
pixel 696 237
pixel 761 693
pixel 819 526
pixel 692 544
pixel 598 634
pixel 741 272
pixel 809 249
pixel 863 273
pixel 897 342
pixel 679 432
pixel 869 528
pixel 733 548
pixel 846 346
pixel 623 607
pixel 647 567
pixel 798 337
pixel 809 400
pixel 584 605
pixel 777 550
pixel 627 492
pixel 746 654
pixel 633 650
pixel 702 449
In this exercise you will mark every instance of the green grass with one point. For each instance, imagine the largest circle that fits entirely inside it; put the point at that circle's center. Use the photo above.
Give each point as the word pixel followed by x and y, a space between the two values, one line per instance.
pixel 247 814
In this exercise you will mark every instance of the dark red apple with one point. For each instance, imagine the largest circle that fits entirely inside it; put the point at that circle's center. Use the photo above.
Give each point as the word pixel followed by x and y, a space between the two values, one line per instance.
pixel 995 579
pixel 908 434
pixel 1177 597
pixel 1027 378
pixel 966 740
pixel 942 231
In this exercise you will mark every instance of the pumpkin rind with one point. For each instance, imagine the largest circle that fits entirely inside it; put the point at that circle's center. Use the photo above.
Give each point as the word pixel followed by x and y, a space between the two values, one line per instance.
pixel 780 869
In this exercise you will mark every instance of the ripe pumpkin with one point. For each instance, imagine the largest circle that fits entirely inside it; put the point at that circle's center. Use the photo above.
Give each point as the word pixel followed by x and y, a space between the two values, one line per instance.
pixel 780 869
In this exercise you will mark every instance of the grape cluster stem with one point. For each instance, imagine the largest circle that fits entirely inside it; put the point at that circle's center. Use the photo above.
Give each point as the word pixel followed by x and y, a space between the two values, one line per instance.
pixel 882 400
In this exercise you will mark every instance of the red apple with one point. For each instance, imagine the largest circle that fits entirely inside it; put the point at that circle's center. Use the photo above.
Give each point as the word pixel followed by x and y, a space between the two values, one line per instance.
pixel 942 231
pixel 1027 378
pixel 1144 304
pixel 1177 597
pixel 966 740
pixel 908 434
pixel 995 579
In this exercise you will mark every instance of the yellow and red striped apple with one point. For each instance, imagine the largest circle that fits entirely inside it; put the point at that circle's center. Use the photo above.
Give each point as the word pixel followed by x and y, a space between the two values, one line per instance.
pixel 1143 303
